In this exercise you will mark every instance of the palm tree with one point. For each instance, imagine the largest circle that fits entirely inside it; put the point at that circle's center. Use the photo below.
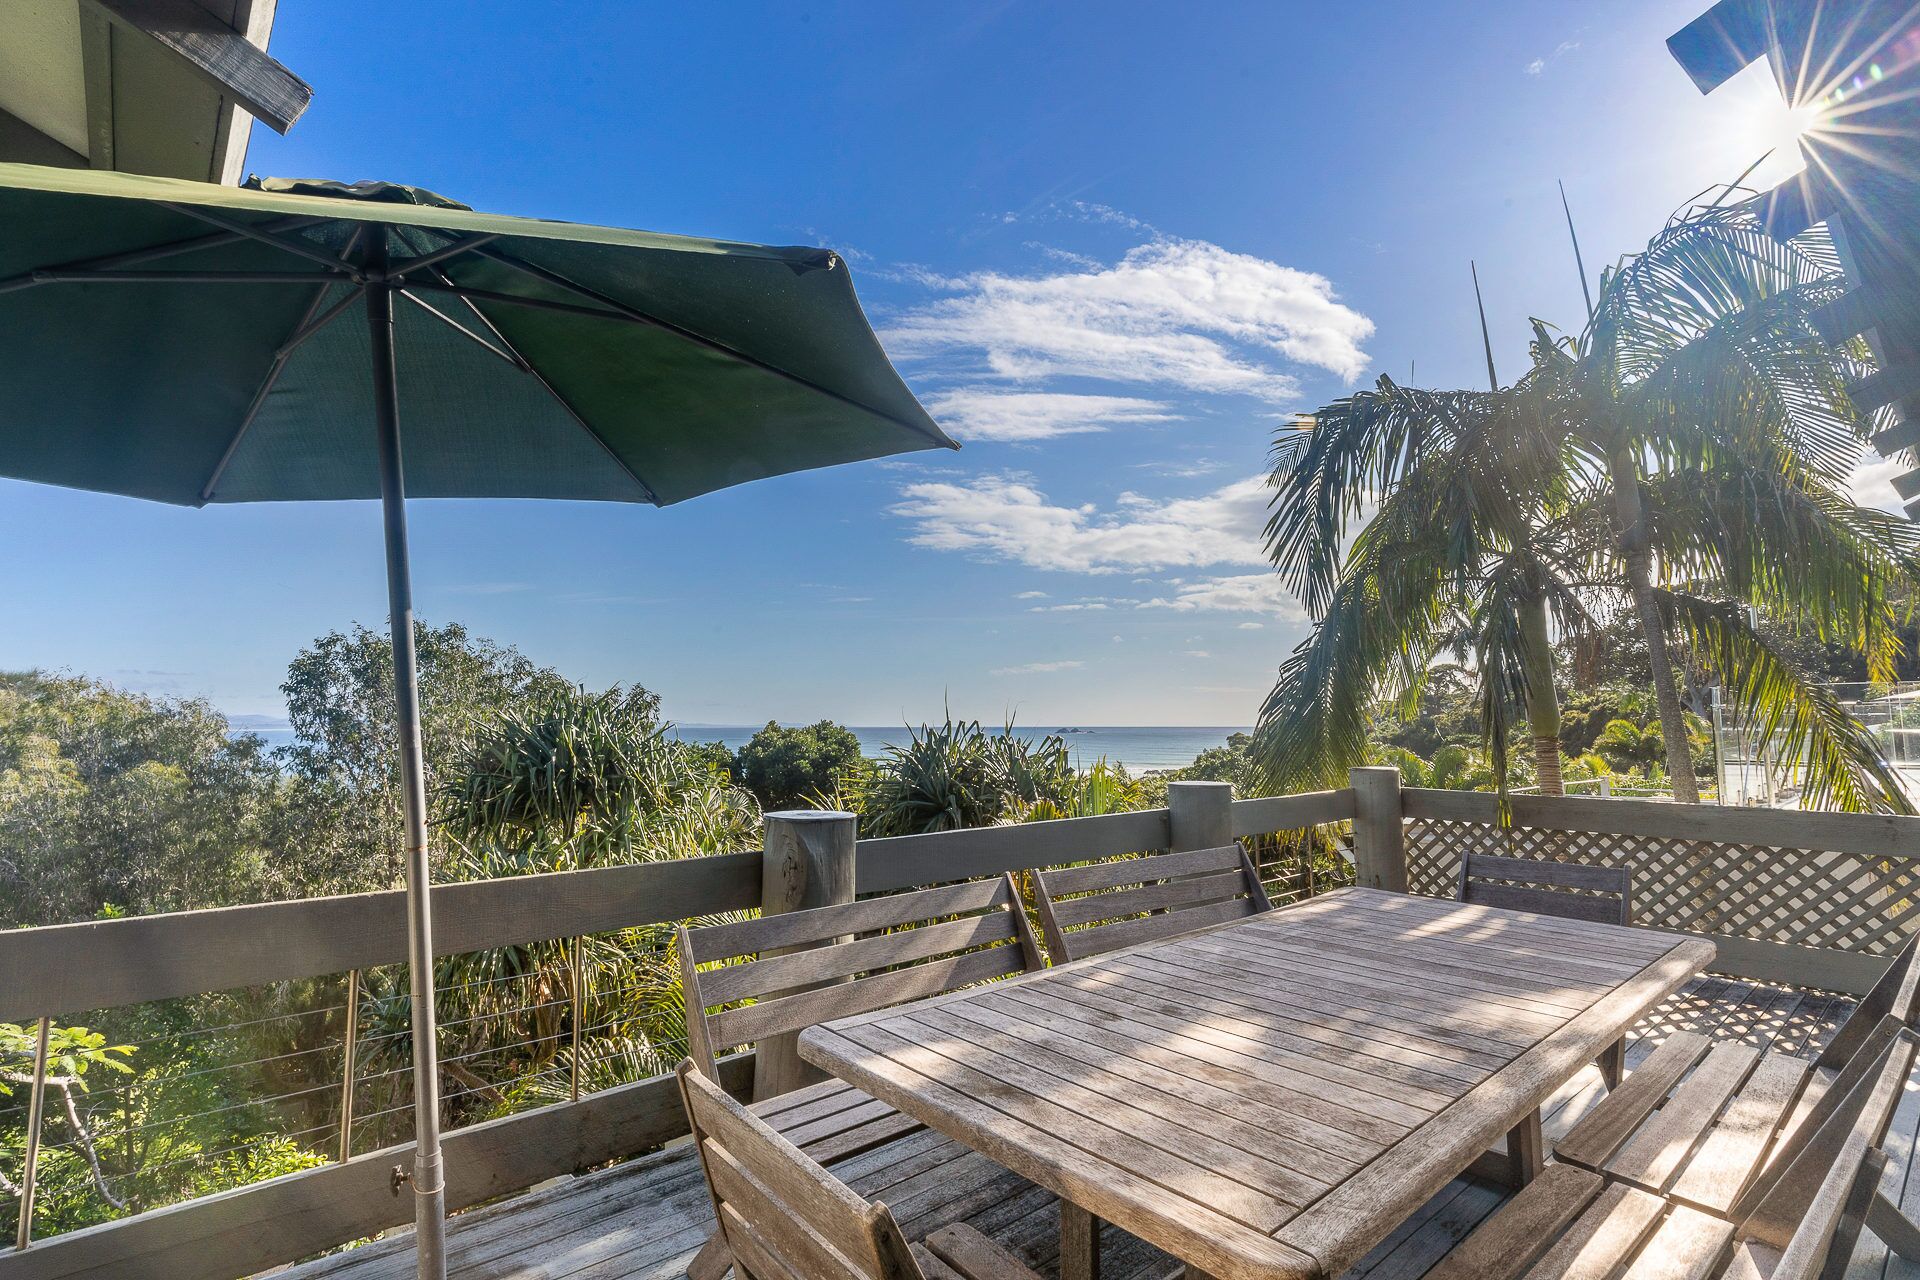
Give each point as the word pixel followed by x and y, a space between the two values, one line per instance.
pixel 1464 553
pixel 1687 453
pixel 1708 428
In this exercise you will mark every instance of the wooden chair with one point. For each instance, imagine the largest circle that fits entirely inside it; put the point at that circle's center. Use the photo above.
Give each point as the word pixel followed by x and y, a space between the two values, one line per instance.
pixel 1568 890
pixel 1093 909
pixel 784 1217
pixel 1801 1201
pixel 861 956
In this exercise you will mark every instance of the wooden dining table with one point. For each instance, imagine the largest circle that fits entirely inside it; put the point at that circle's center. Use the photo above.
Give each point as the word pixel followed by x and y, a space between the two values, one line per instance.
pixel 1267 1099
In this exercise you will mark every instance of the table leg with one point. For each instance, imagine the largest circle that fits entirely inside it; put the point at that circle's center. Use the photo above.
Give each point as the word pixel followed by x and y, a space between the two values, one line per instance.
pixel 1079 1243
pixel 1613 1063
pixel 1526 1150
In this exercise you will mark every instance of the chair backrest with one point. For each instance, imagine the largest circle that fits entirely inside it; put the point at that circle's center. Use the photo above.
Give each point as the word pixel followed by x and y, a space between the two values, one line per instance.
pixel 1570 890
pixel 1819 1188
pixel 1092 909
pixel 1895 994
pixel 806 967
pixel 782 1216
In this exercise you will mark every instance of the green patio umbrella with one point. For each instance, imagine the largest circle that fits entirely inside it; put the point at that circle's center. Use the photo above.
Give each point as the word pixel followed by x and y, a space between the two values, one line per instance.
pixel 191 343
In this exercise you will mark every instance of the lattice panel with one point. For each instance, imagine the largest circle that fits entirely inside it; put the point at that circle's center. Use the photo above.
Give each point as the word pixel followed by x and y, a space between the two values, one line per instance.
pixel 1807 897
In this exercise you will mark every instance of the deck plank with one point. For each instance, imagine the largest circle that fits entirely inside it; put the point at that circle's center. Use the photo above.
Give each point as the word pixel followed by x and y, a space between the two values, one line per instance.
pixel 645 1219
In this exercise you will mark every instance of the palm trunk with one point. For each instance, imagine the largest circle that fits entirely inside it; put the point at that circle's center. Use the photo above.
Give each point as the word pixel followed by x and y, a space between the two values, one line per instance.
pixel 1629 525
pixel 1543 699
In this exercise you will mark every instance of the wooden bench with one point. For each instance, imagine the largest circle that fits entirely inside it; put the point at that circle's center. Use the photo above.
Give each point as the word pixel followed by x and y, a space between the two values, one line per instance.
pixel 784 1217
pixel 762 980
pixel 1094 909
pixel 1568 890
pixel 1710 1184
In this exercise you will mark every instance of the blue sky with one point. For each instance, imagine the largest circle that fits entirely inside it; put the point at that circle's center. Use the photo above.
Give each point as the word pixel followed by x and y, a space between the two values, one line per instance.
pixel 1112 246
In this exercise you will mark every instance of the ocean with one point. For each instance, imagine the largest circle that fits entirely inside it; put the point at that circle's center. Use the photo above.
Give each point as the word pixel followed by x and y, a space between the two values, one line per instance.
pixel 1138 747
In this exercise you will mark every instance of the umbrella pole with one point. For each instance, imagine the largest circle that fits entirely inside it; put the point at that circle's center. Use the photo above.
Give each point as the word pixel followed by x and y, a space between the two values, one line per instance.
pixel 429 1186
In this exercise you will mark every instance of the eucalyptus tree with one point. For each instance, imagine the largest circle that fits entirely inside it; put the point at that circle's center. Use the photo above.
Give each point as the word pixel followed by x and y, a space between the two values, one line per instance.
pixel 1464 553
pixel 1708 430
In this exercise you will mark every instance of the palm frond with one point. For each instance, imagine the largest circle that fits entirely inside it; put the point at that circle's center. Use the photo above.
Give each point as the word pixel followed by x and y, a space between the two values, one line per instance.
pixel 1844 766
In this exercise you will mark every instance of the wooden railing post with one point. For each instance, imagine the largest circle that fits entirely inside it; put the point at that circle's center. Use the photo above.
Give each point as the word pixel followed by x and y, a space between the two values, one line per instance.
pixel 807 862
pixel 1199 815
pixel 1379 841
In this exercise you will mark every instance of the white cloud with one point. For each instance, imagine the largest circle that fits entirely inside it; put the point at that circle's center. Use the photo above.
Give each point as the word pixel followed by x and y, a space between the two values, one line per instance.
pixel 1198 653
pixel 1222 688
pixel 980 413
pixel 1031 595
pixel 1251 626
pixel 1006 518
pixel 1539 65
pixel 1871 483
pixel 1242 593
pixel 1182 313
pixel 1036 668
pixel 1078 606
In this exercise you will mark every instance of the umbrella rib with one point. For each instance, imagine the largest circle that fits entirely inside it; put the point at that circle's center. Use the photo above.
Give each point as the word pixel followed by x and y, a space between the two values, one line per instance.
pixel 154 253
pixel 466 244
pixel 642 317
pixel 58 276
pixel 311 252
pixel 451 323
pixel 526 366
pixel 308 325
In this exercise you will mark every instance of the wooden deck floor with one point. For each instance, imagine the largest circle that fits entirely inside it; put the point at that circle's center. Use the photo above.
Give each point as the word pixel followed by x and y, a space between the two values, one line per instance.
pixel 645 1219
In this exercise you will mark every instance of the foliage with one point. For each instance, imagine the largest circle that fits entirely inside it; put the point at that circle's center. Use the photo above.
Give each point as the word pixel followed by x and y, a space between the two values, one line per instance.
pixel 1104 788
pixel 1684 457
pixel 114 798
pixel 956 774
pixel 339 694
pixel 783 766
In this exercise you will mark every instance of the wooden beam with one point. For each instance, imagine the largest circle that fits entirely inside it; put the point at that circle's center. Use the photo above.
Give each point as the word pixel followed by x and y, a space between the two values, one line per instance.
pixel 217 53
pixel 908 862
pixel 1889 383
pixel 142 958
pixel 1873 835
pixel 249 1229
pixel 1289 813
pixel 1718 44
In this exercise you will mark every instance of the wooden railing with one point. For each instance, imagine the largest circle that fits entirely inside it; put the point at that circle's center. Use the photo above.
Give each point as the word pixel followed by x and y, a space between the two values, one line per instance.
pixel 1815 899
pixel 77 969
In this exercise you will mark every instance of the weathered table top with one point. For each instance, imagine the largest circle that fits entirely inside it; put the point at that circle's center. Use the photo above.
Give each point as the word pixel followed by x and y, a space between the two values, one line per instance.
pixel 1270 1097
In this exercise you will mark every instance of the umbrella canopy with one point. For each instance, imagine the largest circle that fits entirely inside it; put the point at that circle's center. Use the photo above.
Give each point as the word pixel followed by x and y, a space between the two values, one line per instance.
pixel 193 344
pixel 536 359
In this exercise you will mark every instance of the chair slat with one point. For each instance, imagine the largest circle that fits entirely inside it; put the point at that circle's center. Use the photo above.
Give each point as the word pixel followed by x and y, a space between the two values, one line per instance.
pixel 820 924
pixel 1603 1237
pixel 1150 897
pixel 1689 1245
pixel 1734 1148
pixel 804 959
pixel 818 1239
pixel 1614 1118
pixel 822 964
pixel 1545 902
pixel 1082 943
pixel 1511 1238
pixel 1652 1158
pixel 863 995
pixel 1182 891
pixel 1565 875
pixel 1127 871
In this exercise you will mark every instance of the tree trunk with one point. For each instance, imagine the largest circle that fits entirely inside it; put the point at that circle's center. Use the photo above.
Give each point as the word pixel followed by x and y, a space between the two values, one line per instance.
pixel 1543 699
pixel 1630 526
